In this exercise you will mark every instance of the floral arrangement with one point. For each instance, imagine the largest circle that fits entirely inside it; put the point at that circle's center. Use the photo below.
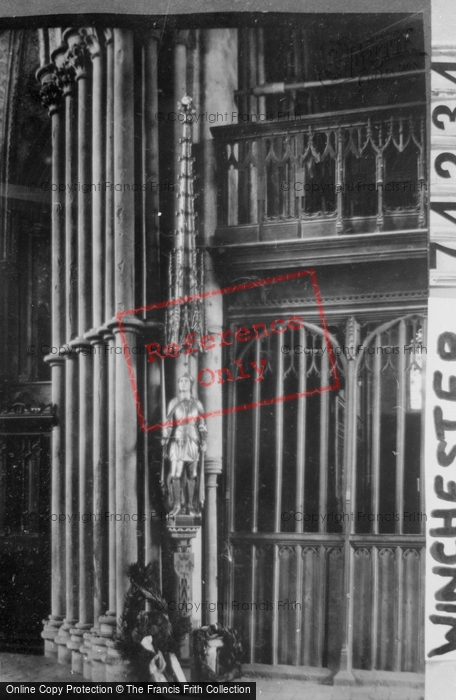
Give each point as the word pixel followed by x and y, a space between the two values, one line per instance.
pixel 145 635
pixel 218 653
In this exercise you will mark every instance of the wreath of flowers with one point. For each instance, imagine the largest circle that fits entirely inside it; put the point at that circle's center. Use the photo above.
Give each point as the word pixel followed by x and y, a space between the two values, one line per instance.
pixel 136 623
pixel 230 654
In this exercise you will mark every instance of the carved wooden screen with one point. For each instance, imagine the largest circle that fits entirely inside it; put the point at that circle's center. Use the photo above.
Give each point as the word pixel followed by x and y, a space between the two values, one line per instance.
pixel 288 520
pixel 325 172
pixel 388 538
pixel 287 561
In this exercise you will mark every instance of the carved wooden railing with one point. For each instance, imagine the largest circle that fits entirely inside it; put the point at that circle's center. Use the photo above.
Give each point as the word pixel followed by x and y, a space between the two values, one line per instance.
pixel 328 174
pixel 293 615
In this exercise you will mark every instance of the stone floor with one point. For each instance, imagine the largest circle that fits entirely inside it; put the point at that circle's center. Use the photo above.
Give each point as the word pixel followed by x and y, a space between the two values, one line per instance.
pixel 268 689
pixel 33 669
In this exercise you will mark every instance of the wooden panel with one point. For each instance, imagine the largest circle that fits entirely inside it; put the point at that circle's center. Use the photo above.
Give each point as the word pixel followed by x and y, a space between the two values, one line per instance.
pixel 384 660
pixel 399 617
pixel 362 594
pixel 322 227
pixel 411 603
pixel 264 600
pixel 241 603
pixel 233 188
pixel 310 595
pixel 421 609
pixel 253 578
pixel 333 592
pixel 283 231
pixel 286 605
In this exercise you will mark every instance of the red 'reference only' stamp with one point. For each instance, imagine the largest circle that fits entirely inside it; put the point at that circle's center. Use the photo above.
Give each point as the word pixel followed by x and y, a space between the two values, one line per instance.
pixel 207 376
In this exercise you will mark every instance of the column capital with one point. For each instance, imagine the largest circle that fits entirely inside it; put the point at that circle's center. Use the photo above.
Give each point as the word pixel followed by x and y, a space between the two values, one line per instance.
pixel 105 332
pixel 79 343
pixel 156 34
pixel 65 71
pixel 67 77
pixel 182 37
pixel 92 42
pixel 129 322
pixel 93 336
pixel 50 91
pixel 77 51
pixel 54 360
pixel 352 335
pixel 212 466
pixel 58 56
pixel 108 36
pixel 181 536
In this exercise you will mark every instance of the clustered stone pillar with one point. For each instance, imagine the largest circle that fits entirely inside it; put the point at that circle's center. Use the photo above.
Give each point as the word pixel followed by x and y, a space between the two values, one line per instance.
pixel 152 281
pixel 126 337
pixel 220 83
pixel 51 96
pixel 77 55
pixel 94 645
pixel 66 74
pixel 88 90
pixel 109 620
pixel 106 252
pixel 124 227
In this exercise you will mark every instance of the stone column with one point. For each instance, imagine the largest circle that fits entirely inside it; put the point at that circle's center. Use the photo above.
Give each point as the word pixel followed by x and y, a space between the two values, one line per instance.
pixel 95 642
pixel 108 622
pixel 51 96
pixel 100 443
pixel 126 423
pixel 77 55
pixel 152 280
pixel 124 206
pixel 66 74
pixel 152 175
pixel 220 82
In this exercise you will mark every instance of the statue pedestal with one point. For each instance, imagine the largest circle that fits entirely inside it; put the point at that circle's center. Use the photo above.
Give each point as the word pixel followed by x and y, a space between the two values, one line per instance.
pixel 182 530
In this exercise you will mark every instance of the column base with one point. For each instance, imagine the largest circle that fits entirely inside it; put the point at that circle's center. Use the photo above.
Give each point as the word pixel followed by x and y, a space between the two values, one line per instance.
pixel 62 639
pixel 49 634
pixel 344 677
pixel 101 644
pixel 75 644
pixel 108 624
pixel 97 653
pixel 50 648
pixel 86 661
pixel 98 671
pixel 117 669
pixel 77 662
